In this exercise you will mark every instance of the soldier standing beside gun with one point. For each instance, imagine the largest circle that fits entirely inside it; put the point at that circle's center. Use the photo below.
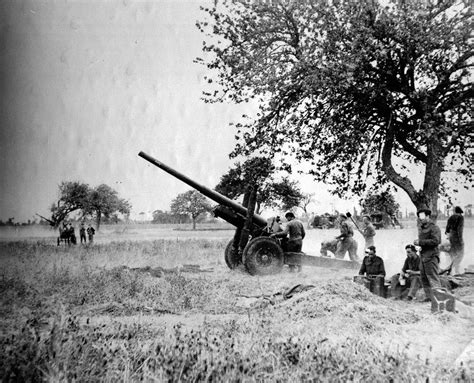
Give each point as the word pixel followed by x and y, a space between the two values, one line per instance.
pixel 295 232
pixel 346 242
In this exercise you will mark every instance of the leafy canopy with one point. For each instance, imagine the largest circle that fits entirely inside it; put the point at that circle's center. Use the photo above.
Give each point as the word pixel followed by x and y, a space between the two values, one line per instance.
pixel 259 171
pixel 191 203
pixel 383 202
pixel 102 201
pixel 347 85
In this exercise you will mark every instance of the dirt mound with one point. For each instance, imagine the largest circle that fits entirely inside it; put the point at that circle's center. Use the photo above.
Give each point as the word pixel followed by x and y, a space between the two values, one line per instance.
pixel 347 301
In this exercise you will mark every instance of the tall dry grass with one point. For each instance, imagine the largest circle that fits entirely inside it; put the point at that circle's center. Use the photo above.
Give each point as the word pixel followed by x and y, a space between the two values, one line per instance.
pixel 77 314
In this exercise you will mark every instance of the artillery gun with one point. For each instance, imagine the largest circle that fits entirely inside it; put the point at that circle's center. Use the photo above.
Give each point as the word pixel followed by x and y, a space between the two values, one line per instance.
pixel 251 245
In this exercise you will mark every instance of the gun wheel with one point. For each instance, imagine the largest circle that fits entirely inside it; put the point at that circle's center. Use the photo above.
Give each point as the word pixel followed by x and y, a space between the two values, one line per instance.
pixel 263 256
pixel 231 256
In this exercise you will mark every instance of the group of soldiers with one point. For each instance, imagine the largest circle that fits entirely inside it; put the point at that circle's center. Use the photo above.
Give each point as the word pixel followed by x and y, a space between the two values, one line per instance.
pixel 68 232
pixel 421 266
pixel 422 270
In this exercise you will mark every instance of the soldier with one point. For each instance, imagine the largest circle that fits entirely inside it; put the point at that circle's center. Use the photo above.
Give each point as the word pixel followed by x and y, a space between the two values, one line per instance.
pixel 429 237
pixel 346 242
pixel 409 277
pixel 328 245
pixel 372 272
pixel 82 233
pixel 90 233
pixel 368 231
pixel 372 265
pixel 295 232
pixel 454 229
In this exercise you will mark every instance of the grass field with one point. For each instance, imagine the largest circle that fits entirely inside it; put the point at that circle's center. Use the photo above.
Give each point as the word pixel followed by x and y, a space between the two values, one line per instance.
pixel 156 304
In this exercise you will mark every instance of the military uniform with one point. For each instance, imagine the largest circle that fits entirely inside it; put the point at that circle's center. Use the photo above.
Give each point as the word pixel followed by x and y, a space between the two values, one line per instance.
pixel 454 229
pixel 82 234
pixel 369 233
pixel 372 266
pixel 346 243
pixel 429 237
pixel 90 233
pixel 296 234
pixel 413 282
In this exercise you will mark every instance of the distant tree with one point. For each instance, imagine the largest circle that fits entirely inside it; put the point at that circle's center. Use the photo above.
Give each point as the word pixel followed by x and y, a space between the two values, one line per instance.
pixel 307 199
pixel 103 201
pixel 191 203
pixel 349 86
pixel 259 171
pixel 383 202
pixel 73 196
pixel 98 202
pixel 286 194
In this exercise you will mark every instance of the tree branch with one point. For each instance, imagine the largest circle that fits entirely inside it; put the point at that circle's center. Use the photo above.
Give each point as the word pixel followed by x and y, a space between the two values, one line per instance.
pixel 387 167
pixel 401 139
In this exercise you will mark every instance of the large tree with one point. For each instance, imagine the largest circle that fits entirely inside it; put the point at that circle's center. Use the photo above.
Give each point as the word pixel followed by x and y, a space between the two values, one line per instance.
pixel 259 171
pixel 102 201
pixel 191 203
pixel 358 89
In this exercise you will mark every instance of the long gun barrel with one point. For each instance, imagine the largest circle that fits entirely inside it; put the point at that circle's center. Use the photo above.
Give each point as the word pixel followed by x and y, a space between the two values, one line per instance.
pixel 212 194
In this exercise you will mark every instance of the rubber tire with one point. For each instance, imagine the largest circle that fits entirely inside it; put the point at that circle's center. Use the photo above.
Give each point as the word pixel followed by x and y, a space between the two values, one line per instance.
pixel 232 259
pixel 263 246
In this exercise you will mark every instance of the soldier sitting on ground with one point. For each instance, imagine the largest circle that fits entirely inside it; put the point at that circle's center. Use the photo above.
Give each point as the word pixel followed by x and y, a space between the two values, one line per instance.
pixel 372 265
pixel 372 272
pixel 408 280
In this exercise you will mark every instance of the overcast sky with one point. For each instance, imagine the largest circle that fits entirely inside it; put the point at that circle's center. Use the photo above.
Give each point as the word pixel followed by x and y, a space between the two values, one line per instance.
pixel 86 85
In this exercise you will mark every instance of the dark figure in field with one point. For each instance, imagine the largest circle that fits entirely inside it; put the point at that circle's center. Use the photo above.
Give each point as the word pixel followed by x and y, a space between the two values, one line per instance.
pixel 372 265
pixel 429 237
pixel 90 233
pixel 346 241
pixel 454 230
pixel 66 234
pixel 409 278
pixel 295 233
pixel 82 233
pixel 368 232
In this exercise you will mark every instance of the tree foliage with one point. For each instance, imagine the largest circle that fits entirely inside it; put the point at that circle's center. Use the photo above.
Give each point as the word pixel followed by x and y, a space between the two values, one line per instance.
pixel 348 86
pixel 100 202
pixel 259 171
pixel 103 201
pixel 191 203
pixel 383 202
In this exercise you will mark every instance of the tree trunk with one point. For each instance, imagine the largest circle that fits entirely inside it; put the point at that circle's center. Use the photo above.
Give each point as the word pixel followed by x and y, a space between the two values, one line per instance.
pixel 428 196
pixel 431 184
pixel 194 223
pixel 99 214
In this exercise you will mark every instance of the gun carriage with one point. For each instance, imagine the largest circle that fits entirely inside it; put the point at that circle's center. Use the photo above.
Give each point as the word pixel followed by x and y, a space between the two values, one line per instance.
pixel 251 245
